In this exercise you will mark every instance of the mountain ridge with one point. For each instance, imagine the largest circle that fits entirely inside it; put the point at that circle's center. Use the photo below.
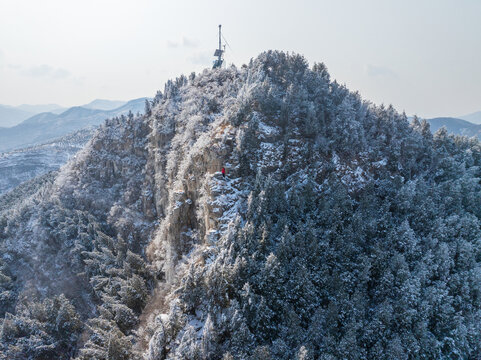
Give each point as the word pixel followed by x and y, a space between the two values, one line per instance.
pixel 104 104
pixel 46 126
pixel 456 126
pixel 13 115
pixel 40 108
pixel 473 117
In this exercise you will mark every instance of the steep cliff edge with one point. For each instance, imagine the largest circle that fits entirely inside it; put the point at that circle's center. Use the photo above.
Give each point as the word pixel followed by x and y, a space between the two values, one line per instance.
pixel 339 231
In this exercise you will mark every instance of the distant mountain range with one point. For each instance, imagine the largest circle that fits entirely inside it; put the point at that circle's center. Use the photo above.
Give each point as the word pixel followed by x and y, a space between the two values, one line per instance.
pixel 101 104
pixel 48 125
pixel 37 109
pixel 10 116
pixel 24 164
pixel 455 126
pixel 474 118
pixel 44 142
pixel 14 115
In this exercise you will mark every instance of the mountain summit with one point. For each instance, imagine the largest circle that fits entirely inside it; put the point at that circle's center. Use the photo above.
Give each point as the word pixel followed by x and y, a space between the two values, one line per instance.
pixel 340 231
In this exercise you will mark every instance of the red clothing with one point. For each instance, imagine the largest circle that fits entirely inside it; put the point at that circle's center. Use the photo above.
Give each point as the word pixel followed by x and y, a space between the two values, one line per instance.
pixel 223 171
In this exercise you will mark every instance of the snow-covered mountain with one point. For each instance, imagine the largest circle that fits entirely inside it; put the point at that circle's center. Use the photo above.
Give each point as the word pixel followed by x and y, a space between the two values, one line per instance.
pixel 47 126
pixel 24 164
pixel 340 231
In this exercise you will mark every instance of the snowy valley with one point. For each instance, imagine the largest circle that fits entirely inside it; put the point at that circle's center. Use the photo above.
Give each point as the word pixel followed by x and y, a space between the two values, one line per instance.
pixel 43 143
pixel 22 165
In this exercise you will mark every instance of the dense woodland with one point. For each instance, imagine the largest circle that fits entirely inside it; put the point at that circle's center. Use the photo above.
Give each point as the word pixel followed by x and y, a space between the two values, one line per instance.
pixel 342 231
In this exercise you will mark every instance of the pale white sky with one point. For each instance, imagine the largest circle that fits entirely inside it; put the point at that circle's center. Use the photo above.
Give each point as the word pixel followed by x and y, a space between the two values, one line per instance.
pixel 422 56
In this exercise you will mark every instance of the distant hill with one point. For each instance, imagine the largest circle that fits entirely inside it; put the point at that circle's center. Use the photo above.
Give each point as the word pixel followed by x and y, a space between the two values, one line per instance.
pixel 14 115
pixel 102 104
pixel 47 126
pixel 455 126
pixel 10 116
pixel 474 117
pixel 37 109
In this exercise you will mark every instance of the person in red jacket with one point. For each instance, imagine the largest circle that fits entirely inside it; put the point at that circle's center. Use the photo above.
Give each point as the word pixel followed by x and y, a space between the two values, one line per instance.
pixel 223 172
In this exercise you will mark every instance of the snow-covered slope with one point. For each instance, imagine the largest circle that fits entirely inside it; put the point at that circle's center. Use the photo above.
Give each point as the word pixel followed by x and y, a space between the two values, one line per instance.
pixel 24 164
pixel 340 230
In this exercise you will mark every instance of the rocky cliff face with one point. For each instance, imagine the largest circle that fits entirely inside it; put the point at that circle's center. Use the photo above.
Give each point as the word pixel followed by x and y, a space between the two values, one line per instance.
pixel 339 231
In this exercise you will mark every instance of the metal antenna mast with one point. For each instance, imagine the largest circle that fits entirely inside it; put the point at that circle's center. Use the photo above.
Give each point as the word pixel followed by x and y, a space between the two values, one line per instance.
pixel 220 35
pixel 219 52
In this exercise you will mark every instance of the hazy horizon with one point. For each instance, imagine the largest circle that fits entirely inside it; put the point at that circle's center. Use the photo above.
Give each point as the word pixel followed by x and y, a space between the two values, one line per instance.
pixel 422 57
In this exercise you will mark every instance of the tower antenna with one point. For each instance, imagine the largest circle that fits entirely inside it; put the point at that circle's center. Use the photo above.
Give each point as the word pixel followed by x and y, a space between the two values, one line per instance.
pixel 219 53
